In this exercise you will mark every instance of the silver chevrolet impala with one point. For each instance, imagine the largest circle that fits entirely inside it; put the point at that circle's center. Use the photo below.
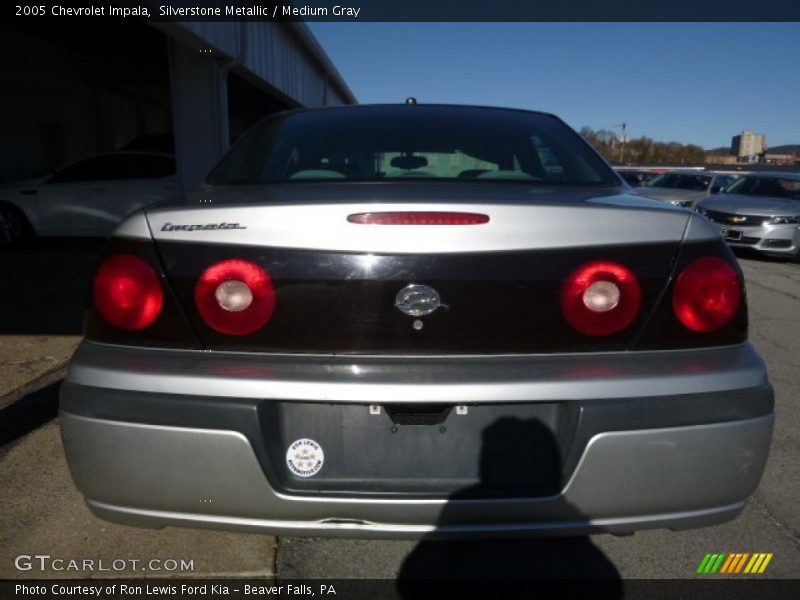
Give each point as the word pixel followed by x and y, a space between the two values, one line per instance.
pixel 416 320
pixel 760 211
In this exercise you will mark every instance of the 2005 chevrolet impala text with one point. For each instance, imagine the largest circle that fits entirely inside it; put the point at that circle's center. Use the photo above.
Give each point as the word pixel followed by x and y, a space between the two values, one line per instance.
pixel 397 321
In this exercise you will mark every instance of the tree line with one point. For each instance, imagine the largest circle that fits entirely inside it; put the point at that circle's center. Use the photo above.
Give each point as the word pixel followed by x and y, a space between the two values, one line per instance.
pixel 641 150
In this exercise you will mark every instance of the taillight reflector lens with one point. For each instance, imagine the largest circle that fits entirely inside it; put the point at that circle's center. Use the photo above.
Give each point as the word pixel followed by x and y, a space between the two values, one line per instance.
pixel 127 292
pixel 418 218
pixel 601 298
pixel 235 297
pixel 707 294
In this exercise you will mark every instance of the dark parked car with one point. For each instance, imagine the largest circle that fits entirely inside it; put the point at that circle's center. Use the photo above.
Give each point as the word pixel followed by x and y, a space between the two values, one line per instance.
pixel 331 336
pixel 637 177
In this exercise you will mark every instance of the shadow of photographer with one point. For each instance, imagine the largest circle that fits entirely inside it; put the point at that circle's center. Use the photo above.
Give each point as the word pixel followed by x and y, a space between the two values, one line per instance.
pixel 515 455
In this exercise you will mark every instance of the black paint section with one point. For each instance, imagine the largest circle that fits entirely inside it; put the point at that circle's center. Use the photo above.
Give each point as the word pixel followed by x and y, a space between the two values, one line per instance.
pixel 335 302
pixel 493 303
pixel 665 331
pixel 170 329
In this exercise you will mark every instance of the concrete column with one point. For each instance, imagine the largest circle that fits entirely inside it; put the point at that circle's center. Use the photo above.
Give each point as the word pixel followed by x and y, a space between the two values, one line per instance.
pixel 199 90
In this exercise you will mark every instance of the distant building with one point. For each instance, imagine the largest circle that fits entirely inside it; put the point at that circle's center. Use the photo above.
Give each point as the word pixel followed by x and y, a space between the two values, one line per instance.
pixel 748 146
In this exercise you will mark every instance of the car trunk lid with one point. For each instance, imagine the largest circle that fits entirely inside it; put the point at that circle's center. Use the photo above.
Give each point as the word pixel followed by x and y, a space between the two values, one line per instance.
pixel 339 284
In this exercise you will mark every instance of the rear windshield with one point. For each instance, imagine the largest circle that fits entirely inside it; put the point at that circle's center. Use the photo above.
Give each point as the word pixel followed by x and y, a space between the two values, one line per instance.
pixel 680 181
pixel 776 187
pixel 412 142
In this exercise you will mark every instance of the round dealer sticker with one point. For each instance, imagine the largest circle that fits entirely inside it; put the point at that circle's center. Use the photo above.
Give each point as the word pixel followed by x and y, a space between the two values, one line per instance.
pixel 305 458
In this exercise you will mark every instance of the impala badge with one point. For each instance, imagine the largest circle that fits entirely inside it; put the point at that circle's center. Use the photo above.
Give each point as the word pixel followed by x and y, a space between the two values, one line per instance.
pixel 417 300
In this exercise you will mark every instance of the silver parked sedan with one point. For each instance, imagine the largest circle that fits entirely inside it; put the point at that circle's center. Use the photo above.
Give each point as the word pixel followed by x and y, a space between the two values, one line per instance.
pixel 760 211
pixel 686 188
pixel 397 321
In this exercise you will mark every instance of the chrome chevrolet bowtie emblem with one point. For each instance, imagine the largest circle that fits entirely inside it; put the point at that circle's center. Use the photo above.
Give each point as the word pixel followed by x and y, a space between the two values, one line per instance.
pixel 417 300
pixel 738 219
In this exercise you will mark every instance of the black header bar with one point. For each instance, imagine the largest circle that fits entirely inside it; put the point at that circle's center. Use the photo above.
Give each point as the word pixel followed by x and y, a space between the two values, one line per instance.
pixel 356 11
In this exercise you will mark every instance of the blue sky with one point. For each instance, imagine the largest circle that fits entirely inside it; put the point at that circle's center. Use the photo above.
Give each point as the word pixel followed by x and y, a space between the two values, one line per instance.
pixel 698 83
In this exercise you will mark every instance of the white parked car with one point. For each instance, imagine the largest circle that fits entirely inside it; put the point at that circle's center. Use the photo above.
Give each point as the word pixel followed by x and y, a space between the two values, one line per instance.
pixel 89 197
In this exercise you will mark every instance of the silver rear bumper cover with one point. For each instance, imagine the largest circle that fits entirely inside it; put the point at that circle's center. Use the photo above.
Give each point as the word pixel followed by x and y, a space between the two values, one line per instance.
pixel 677 477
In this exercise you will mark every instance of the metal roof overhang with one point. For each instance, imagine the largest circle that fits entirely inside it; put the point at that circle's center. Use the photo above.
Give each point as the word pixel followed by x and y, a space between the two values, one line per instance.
pixel 283 58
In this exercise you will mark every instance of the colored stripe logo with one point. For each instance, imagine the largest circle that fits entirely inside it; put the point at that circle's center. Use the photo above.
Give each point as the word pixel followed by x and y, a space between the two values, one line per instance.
pixel 734 563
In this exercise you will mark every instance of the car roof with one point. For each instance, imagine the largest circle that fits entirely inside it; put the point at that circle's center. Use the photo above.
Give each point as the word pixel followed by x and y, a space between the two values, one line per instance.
pixel 780 174
pixel 687 172
pixel 418 106
pixel 122 153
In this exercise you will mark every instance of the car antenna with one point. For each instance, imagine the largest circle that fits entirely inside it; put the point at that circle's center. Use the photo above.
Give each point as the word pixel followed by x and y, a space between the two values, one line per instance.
pixel 411 100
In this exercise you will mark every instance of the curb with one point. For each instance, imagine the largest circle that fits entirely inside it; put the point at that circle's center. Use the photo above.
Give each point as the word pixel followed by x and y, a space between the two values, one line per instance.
pixel 34 385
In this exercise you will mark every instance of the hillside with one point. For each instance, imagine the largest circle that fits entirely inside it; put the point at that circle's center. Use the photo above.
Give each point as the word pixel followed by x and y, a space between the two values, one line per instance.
pixel 785 149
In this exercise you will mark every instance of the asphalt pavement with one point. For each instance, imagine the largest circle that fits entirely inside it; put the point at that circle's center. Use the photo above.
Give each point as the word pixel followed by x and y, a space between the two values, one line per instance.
pixel 41 512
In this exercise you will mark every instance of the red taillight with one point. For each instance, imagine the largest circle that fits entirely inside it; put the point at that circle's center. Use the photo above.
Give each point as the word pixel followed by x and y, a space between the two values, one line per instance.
pixel 601 298
pixel 707 294
pixel 127 292
pixel 235 297
pixel 418 218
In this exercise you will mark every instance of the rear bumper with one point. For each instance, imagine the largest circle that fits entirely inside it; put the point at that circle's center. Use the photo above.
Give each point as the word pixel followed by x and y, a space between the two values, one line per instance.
pixel 685 451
